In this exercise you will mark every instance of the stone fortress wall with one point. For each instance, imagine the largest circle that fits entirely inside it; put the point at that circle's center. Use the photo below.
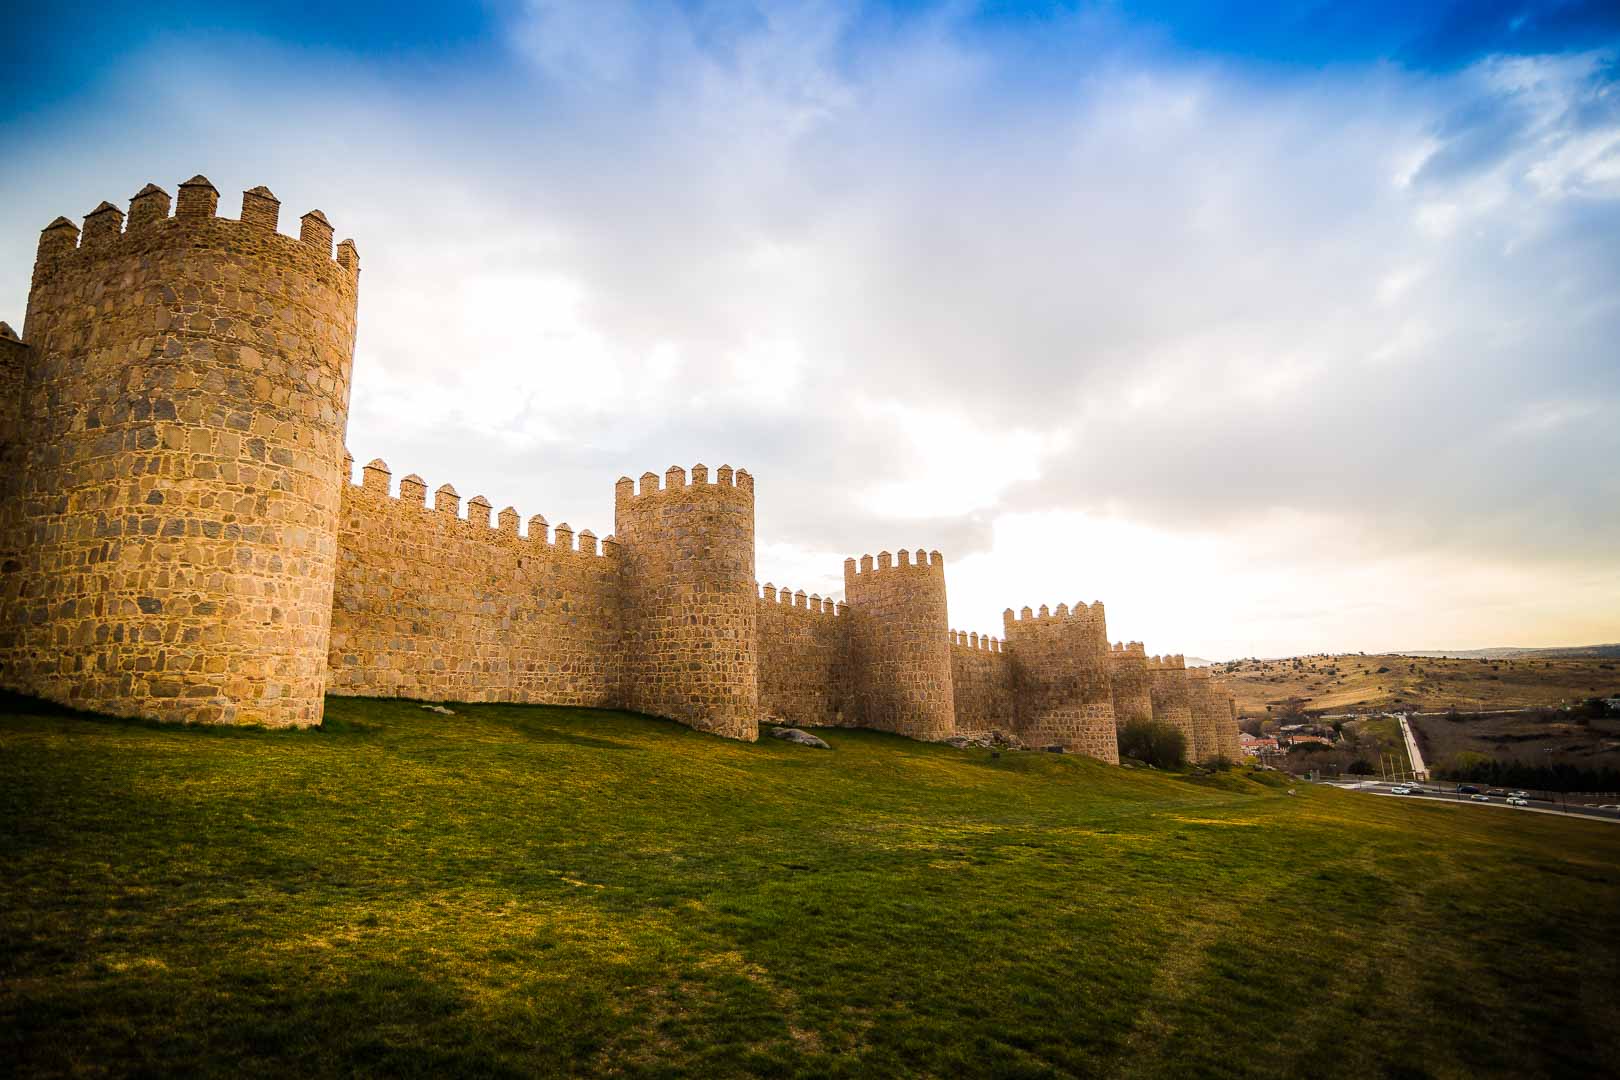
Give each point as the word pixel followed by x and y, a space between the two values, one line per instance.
pixel 181 538
pixel 982 683
pixel 433 605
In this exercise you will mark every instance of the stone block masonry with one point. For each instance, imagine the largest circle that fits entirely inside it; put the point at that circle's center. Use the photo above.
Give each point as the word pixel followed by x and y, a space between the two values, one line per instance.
pixel 173 529
pixel 1060 679
pixel 433 605
pixel 899 654
pixel 182 538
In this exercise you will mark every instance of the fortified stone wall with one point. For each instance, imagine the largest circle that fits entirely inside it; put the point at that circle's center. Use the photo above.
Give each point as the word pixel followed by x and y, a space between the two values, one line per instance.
pixel 691 645
pixel 1171 698
pixel 899 654
pixel 180 538
pixel 174 531
pixel 1060 679
pixel 433 605
pixel 803 659
pixel 981 679
pixel 1130 682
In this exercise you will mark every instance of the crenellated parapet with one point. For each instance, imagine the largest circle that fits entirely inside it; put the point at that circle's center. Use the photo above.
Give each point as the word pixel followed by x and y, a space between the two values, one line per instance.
pixel 974 641
pixel 183 404
pixel 899 655
pixel 785 599
pixel 691 649
pixel 408 508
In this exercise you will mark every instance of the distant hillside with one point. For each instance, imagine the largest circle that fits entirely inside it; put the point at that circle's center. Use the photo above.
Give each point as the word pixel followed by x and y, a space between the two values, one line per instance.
pixel 1199 661
pixel 1358 682
pixel 1563 652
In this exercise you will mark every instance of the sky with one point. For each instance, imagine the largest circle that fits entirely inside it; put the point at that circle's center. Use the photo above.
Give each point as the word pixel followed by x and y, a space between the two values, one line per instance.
pixel 1278 329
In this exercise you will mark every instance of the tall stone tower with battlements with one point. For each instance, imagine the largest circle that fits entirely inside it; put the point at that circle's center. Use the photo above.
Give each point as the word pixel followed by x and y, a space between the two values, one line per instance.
pixel 1060 677
pixel 898 644
pixel 691 646
pixel 182 409
pixel 182 538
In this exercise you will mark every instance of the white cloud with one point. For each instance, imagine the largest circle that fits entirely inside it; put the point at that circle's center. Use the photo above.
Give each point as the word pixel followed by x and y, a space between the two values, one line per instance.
pixel 1102 330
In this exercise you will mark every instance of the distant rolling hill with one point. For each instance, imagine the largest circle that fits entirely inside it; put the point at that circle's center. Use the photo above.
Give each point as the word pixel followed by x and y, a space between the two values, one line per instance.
pixel 1563 652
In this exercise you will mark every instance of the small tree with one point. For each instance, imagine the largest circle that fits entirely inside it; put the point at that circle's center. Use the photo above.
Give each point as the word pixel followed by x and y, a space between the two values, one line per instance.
pixel 1155 742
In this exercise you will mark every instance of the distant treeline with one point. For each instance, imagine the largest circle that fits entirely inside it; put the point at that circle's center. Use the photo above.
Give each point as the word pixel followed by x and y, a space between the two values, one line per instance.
pixel 1554 777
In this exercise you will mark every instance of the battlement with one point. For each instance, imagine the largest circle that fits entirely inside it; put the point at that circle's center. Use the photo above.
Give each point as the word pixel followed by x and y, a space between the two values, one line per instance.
pixel 676 479
pixel 1167 662
pixel 1027 620
pixel 375 479
pixel 927 562
pixel 108 232
pixel 788 600
pixel 1121 650
pixel 974 642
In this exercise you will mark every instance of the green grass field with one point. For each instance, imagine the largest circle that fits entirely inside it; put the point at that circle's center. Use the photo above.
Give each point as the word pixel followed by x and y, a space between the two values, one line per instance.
pixel 522 891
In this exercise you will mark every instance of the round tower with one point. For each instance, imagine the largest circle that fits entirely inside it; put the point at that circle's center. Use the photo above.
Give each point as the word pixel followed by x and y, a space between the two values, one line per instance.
pixel 1211 715
pixel 1130 683
pixel 185 398
pixel 1171 698
pixel 1060 673
pixel 900 650
pixel 686 566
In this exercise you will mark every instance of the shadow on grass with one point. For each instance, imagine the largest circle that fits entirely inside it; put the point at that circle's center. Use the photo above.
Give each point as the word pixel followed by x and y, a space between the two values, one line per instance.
pixel 24 705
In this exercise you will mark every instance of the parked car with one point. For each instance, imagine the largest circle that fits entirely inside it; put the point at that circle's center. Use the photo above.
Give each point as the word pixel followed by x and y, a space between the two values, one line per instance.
pixel 1400 789
pixel 1477 797
pixel 1414 789
pixel 1467 789
pixel 1517 795
pixel 1518 800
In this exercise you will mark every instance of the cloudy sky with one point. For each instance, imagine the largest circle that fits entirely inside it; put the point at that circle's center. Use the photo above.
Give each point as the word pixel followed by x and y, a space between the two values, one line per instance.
pixel 1275 330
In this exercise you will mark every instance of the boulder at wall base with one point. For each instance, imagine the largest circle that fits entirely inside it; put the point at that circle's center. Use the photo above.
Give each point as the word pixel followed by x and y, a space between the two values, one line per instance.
pixel 803 738
pixel 985 740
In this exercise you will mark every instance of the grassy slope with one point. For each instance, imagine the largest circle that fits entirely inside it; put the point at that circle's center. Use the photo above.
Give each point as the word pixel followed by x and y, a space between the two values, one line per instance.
pixel 524 890
pixel 1426 683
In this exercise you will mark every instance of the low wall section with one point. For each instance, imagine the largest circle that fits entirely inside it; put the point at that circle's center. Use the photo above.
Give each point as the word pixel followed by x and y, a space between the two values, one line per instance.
pixel 982 682
pixel 432 605
pixel 803 659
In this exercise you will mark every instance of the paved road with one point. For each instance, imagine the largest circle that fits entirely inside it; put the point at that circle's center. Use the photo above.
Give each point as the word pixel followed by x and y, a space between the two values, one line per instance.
pixel 1432 794
pixel 1413 754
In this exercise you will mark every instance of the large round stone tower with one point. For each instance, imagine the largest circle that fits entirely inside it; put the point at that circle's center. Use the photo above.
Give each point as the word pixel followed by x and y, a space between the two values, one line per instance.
pixel 686 566
pixel 184 397
pixel 1060 678
pixel 899 644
